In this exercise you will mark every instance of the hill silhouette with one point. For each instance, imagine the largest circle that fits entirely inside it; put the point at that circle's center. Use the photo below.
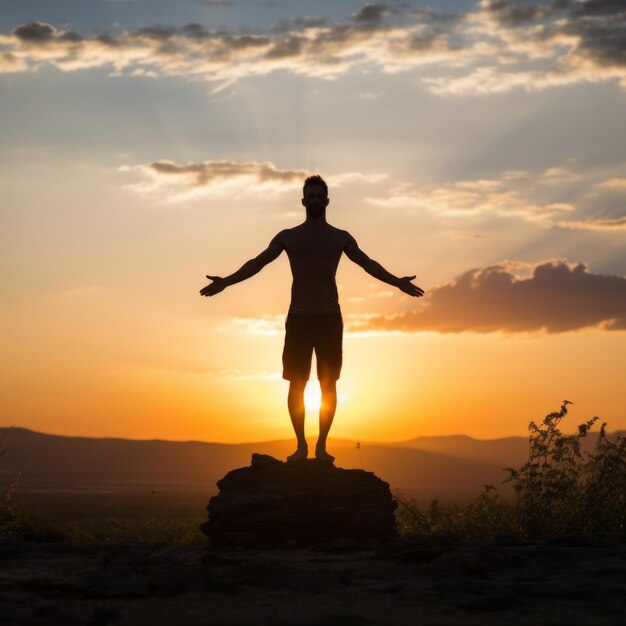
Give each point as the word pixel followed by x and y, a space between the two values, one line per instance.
pixel 505 451
pixel 425 467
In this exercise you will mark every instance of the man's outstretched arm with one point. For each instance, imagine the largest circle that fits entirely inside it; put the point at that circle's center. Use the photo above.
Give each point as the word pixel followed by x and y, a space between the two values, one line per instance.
pixel 375 269
pixel 248 269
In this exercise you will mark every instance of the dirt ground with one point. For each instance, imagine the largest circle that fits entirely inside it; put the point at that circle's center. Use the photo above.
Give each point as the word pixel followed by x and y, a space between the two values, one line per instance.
pixel 435 579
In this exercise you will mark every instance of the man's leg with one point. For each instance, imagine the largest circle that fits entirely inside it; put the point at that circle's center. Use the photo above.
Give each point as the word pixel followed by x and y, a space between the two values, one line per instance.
pixel 329 360
pixel 295 403
pixel 327 413
pixel 297 354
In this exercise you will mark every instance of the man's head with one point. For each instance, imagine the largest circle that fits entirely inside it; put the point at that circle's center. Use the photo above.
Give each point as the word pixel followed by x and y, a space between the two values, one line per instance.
pixel 315 195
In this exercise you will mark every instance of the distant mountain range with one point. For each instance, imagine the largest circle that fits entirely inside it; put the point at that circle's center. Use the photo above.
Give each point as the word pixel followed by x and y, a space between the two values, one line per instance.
pixel 450 467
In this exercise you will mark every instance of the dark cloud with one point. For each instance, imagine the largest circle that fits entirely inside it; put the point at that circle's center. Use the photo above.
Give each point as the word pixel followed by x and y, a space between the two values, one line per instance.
pixel 425 41
pixel 163 33
pixel 288 47
pixel 484 51
pixel 71 36
pixel 196 31
pixel 557 297
pixel 594 8
pixel 430 15
pixel 177 181
pixel 510 14
pixel 371 13
pixel 156 32
pixel 606 224
pixel 599 25
pixel 240 42
pixel 35 32
pixel 210 172
pixel 601 30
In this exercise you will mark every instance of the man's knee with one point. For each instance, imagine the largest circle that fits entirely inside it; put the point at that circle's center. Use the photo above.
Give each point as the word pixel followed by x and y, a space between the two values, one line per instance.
pixel 328 385
pixel 297 384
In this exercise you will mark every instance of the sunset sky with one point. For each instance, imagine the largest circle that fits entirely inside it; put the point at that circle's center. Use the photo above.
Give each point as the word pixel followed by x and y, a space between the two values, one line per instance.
pixel 146 143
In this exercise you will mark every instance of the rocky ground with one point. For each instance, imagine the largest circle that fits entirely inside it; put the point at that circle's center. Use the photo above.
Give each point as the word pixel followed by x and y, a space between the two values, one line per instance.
pixel 420 580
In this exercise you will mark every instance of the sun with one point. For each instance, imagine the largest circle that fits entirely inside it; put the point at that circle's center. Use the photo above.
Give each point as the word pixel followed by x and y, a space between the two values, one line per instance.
pixel 312 396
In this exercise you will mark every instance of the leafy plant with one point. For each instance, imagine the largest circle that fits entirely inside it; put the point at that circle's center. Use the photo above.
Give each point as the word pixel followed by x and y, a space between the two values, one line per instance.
pixel 563 489
pixel 560 489
pixel 486 516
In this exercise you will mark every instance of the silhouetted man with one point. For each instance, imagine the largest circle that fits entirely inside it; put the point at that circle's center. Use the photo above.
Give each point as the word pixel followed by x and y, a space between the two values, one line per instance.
pixel 314 320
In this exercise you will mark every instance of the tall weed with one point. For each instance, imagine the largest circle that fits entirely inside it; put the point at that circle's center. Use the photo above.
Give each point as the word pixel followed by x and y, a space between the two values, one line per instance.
pixel 560 489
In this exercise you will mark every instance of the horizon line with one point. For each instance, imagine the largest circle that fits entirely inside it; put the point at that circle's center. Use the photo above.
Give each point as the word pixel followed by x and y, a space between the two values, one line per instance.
pixel 266 441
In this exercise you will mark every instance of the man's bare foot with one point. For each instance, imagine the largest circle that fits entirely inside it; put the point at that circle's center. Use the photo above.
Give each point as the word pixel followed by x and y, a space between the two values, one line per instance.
pixel 322 455
pixel 299 455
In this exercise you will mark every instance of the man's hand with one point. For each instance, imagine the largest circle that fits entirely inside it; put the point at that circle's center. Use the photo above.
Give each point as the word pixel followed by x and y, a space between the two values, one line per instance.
pixel 404 284
pixel 218 284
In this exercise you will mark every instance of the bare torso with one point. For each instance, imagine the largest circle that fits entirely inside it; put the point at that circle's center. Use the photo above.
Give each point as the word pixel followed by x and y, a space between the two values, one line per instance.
pixel 314 251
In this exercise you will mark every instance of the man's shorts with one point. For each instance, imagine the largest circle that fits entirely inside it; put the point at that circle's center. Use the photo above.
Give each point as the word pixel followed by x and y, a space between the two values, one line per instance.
pixel 322 332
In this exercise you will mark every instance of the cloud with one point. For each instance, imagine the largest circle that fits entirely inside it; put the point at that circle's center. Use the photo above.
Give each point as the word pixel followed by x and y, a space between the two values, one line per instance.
pixel 556 197
pixel 210 172
pixel 543 45
pixel 306 46
pixel 558 175
pixel 576 41
pixel 35 32
pixel 511 15
pixel 470 197
pixel 497 47
pixel 607 224
pixel 612 183
pixel 9 63
pixel 181 181
pixel 556 297
pixel 371 13
pixel 430 15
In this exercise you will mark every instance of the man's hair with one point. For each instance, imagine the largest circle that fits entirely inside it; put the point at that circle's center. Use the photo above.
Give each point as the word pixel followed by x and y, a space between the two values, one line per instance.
pixel 315 180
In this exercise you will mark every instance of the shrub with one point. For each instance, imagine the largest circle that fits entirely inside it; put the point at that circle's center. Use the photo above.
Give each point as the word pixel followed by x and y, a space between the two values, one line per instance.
pixel 486 516
pixel 560 489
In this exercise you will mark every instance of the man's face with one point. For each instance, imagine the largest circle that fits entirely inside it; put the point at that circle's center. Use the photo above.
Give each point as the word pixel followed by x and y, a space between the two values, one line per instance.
pixel 315 199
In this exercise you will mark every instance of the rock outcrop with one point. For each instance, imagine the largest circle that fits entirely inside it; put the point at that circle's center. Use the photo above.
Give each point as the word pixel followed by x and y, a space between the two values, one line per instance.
pixel 307 502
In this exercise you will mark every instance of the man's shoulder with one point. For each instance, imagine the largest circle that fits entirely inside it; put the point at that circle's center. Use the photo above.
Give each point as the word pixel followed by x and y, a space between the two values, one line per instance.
pixel 344 234
pixel 300 230
pixel 287 232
